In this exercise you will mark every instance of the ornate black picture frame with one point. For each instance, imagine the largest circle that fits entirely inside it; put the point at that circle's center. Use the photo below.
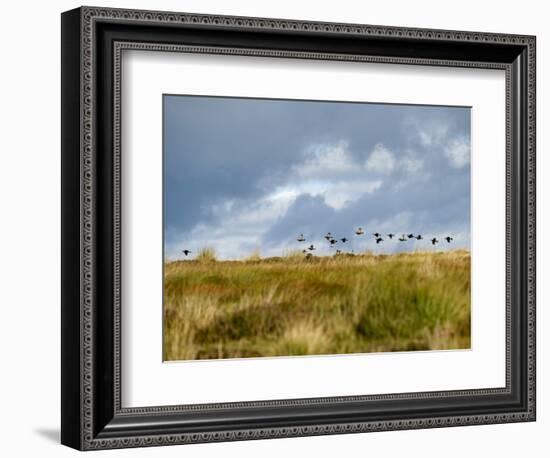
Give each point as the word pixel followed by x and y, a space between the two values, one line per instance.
pixel 92 42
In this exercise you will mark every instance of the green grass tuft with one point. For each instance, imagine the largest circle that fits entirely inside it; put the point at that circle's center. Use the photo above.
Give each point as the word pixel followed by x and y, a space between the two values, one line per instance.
pixel 207 255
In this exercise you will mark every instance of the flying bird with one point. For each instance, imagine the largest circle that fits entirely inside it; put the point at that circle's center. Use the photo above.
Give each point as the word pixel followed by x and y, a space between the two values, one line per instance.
pixel 311 248
pixel 449 239
pixel 186 252
pixel 377 235
pixel 359 231
pixel 434 241
pixel 301 238
pixel 328 236
pixel 379 239
pixel 410 236
pixel 419 237
pixel 402 238
pixel 391 236
pixel 333 241
pixel 344 240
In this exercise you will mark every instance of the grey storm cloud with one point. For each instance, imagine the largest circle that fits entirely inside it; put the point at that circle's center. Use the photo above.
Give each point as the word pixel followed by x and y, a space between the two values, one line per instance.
pixel 244 174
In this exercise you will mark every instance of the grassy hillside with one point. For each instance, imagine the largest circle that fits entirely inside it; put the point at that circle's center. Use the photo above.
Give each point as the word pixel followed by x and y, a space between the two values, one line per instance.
pixel 325 305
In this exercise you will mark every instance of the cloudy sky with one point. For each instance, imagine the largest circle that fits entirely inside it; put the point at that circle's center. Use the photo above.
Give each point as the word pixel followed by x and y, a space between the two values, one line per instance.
pixel 245 174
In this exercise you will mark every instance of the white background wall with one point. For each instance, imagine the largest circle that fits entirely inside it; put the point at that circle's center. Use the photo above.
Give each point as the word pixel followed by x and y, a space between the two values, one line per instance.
pixel 30 215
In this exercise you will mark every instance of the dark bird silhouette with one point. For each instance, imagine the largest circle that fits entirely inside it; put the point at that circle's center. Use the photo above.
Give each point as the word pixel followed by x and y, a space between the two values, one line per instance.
pixel 379 239
pixel 338 251
pixel 311 248
pixel 449 239
pixel 419 237
pixel 402 238
pixel 333 241
pixel 186 252
pixel 304 251
pixel 410 236
pixel 359 231
pixel 344 240
pixel 301 238
pixel 391 236
pixel 377 235
pixel 434 241
pixel 328 236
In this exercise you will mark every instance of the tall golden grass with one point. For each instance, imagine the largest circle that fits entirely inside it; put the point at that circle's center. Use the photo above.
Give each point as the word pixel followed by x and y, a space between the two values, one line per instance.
pixel 325 305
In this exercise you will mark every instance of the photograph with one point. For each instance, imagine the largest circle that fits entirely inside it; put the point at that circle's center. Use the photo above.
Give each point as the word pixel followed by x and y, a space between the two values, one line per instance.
pixel 314 227
pixel 280 223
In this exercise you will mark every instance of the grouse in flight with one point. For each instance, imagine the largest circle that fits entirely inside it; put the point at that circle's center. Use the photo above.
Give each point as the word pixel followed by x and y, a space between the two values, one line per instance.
pixel 359 231
pixel 391 236
pixel 301 238
pixel 344 240
pixel 379 239
pixel 434 241
pixel 186 252
pixel 449 239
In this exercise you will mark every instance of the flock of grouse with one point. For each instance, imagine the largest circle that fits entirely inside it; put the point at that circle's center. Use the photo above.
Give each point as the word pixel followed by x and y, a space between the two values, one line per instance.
pixel 359 231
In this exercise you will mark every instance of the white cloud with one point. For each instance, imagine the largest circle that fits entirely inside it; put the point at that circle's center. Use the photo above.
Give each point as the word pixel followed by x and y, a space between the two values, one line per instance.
pixel 336 194
pixel 434 134
pixel 229 243
pixel 381 160
pixel 332 172
pixel 238 227
pixel 411 164
pixel 344 193
pixel 326 159
pixel 457 151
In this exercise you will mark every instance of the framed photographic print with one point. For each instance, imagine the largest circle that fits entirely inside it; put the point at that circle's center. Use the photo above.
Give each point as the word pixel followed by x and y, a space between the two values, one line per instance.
pixel 276 228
